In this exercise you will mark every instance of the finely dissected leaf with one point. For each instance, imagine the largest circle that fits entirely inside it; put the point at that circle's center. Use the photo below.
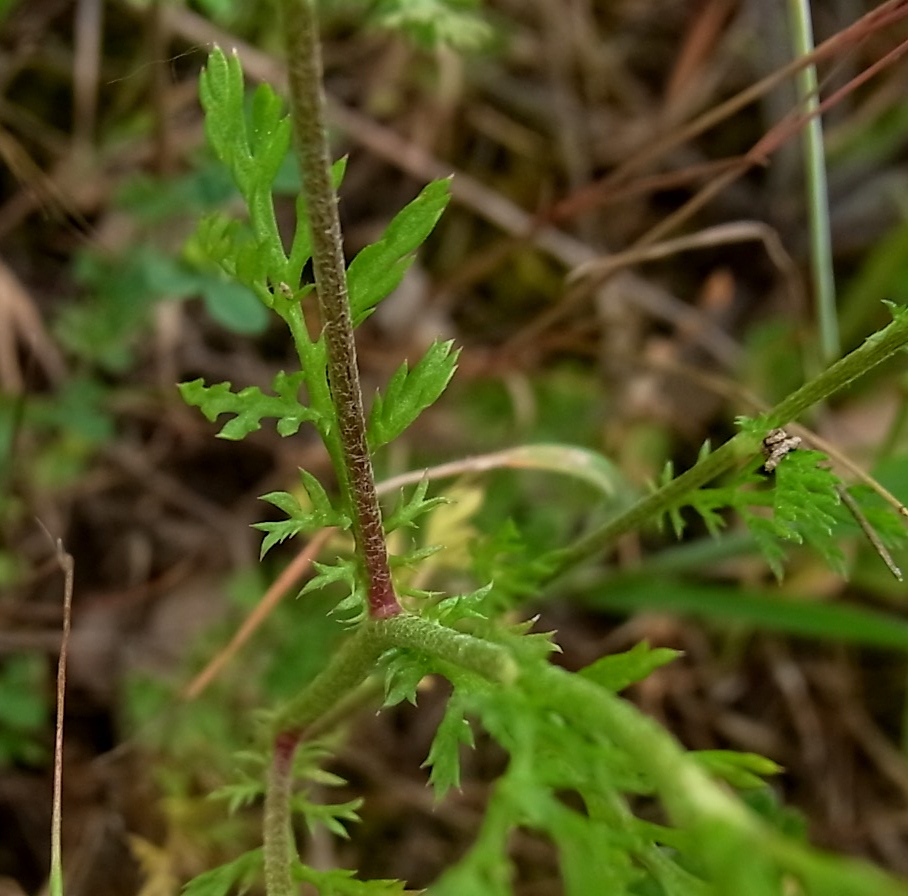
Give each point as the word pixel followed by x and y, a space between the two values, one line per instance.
pixel 251 404
pixel 433 22
pixel 239 795
pixel 548 757
pixel 269 137
pixel 343 883
pixel 619 670
pixel 378 269
pixel 594 857
pixel 408 510
pixel 452 609
pixel 253 149
pixel 807 506
pixel 319 515
pixel 236 877
pixel 409 392
pixel 766 536
pixel 221 93
pixel 343 570
pixel 742 770
pixel 444 755
pixel 516 569
pixel 334 817
pixel 414 557
pixel 672 878
pixel 404 670
pixel 805 502
pixel 352 608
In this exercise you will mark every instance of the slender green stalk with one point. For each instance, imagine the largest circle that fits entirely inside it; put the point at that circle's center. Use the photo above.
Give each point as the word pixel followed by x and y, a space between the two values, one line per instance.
pixel 280 850
pixel 307 108
pixel 874 351
pixel 56 850
pixel 815 182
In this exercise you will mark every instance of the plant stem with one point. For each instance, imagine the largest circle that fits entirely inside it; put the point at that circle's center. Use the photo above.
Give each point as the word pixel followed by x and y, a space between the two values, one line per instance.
pixel 358 655
pixel 307 108
pixel 280 851
pixel 815 177
pixel 485 658
pixel 875 350
pixel 347 669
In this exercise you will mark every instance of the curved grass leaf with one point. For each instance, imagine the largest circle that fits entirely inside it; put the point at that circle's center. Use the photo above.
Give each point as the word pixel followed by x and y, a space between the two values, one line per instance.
pixel 727 605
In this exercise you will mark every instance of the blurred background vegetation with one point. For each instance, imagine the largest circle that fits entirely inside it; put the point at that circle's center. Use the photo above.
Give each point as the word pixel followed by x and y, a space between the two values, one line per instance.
pixel 546 116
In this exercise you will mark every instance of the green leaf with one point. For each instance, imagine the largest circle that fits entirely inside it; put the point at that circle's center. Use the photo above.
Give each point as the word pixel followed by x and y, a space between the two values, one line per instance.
pixel 253 149
pixel 235 307
pixel 807 506
pixel 320 515
pixel 407 511
pixel 722 605
pixel 404 670
pixel 221 93
pixel 619 670
pixel 409 392
pixel 378 269
pixel 269 135
pixel 250 405
pixel 236 877
pixel 744 771
pixel 351 609
pixel 334 817
pixel 444 754
pixel 455 23
pixel 239 794
pixel 344 883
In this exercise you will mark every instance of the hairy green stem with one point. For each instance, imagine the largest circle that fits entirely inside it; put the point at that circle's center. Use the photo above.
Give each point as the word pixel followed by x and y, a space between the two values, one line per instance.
pixel 280 850
pixel 485 658
pixel 307 107
pixel 348 668
pixel 874 351
pixel 358 656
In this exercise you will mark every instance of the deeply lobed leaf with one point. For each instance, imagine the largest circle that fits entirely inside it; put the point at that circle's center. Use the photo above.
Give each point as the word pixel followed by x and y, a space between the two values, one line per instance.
pixel 410 392
pixel 378 268
pixel 250 405
pixel 236 877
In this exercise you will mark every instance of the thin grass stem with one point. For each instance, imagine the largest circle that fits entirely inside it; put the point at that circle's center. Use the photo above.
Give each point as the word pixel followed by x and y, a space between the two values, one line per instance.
pixel 816 186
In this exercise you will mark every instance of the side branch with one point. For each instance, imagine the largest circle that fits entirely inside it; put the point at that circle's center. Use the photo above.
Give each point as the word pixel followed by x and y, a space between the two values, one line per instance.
pixel 876 349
